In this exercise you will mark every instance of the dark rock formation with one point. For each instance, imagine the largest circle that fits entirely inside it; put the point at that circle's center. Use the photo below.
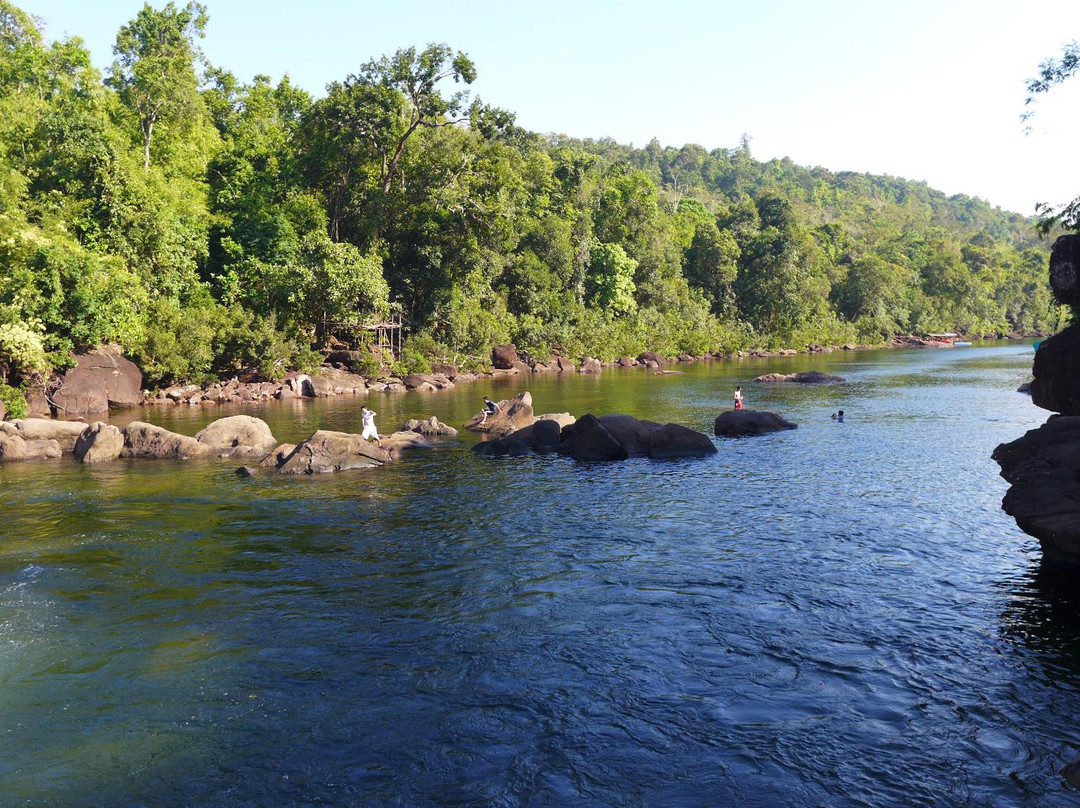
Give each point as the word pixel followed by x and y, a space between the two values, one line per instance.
pixel 645 357
pixel 803 377
pixel 504 357
pixel 100 379
pixel 743 423
pixel 278 456
pixel 238 436
pixel 1043 468
pixel 1056 382
pixel 587 439
pixel 1064 269
pixel 99 442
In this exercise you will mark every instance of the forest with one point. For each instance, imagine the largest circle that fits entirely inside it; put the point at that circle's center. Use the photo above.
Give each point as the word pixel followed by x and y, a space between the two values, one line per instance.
pixel 210 225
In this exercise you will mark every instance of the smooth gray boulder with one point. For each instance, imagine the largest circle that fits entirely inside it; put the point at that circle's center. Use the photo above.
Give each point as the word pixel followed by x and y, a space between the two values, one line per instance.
pixel 802 377
pixel 432 427
pixel 153 442
pixel 14 449
pixel 238 436
pixel 744 423
pixel 65 433
pixel 99 442
pixel 515 414
pixel 100 379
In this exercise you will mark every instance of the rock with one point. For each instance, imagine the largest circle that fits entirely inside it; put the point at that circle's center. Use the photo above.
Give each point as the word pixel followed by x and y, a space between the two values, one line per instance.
pixel 1056 371
pixel 803 377
pixel 327 451
pixel 590 365
pixel 238 436
pixel 100 379
pixel 645 357
pixel 13 448
pixel 561 418
pixel 277 456
pixel 149 441
pixel 246 471
pixel 513 415
pixel 65 433
pixel 1043 470
pixel 419 381
pixel 673 441
pixel 626 362
pixel 565 365
pixel 1064 269
pixel 629 432
pixel 740 423
pixel 182 392
pixel 3 410
pixel 398 442
pixel 37 402
pixel 99 442
pixel 1024 388
pixel 1071 772
pixel 588 440
pixel 432 427
pixel 505 357
pixel 300 385
pixel 441 368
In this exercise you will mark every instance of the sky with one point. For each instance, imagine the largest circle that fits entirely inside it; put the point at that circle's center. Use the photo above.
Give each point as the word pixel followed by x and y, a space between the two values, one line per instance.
pixel 928 90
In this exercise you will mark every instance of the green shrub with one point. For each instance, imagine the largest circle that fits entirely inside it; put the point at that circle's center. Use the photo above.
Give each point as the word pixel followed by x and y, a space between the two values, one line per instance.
pixel 14 401
pixel 367 366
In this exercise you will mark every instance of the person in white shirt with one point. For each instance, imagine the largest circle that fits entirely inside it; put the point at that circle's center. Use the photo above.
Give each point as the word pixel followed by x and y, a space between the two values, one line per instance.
pixel 738 397
pixel 368 417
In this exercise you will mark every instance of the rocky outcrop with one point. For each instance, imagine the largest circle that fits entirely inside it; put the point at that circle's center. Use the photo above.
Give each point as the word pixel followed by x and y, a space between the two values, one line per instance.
pixel 1065 269
pixel 590 365
pixel 745 423
pixel 1056 371
pixel 432 427
pixel 14 448
pixel 278 456
pixel 1043 469
pixel 651 359
pixel 153 442
pixel 803 377
pixel 327 451
pixel 604 438
pixel 514 414
pixel 238 436
pixel 99 442
pixel 65 433
pixel 100 379
pixel 505 357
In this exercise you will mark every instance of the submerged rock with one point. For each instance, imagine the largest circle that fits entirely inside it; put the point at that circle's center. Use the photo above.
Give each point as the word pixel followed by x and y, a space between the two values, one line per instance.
pixel 744 423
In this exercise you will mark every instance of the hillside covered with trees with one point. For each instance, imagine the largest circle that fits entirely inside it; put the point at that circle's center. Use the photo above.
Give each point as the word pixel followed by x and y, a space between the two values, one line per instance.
pixel 207 224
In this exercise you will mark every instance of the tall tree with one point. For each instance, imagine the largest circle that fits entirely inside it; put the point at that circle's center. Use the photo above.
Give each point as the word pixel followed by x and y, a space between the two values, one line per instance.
pixel 154 71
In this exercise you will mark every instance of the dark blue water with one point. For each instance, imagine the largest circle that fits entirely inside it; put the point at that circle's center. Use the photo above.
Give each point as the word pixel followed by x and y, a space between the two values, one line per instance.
pixel 838 615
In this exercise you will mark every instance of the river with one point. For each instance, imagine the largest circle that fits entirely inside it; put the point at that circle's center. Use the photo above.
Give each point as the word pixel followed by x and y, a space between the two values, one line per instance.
pixel 836 615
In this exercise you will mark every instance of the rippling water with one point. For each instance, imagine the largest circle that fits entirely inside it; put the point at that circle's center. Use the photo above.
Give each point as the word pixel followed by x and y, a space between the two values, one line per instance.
pixel 837 615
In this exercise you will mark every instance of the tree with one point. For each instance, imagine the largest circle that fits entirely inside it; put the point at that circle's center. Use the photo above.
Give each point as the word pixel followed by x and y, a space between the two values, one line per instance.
pixel 154 70
pixel 1053 72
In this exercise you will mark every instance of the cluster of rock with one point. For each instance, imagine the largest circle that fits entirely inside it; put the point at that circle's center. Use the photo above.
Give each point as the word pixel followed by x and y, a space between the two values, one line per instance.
pixel 237 436
pixel 1043 466
pixel 802 377
pixel 515 430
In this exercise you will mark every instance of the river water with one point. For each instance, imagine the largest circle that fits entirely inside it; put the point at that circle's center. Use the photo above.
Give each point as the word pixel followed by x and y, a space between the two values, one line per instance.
pixel 836 615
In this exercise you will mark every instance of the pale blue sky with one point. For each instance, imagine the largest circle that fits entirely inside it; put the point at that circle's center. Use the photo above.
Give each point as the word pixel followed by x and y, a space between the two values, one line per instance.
pixel 924 89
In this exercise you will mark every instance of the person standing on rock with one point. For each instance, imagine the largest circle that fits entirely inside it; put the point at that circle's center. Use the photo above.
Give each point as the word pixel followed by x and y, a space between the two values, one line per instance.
pixel 738 397
pixel 368 417
pixel 490 408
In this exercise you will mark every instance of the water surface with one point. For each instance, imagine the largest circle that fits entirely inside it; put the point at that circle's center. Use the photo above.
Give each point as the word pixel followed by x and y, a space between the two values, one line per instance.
pixel 837 615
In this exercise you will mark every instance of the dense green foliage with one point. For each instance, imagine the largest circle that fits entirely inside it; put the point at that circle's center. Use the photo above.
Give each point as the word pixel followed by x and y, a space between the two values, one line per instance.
pixel 208 225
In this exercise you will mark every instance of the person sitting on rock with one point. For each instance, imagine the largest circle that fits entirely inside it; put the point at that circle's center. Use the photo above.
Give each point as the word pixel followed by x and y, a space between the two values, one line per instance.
pixel 490 408
pixel 368 417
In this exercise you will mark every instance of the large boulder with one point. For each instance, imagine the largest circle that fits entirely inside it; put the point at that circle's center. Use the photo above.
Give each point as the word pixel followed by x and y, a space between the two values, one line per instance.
pixel 742 423
pixel 154 442
pixel 99 442
pixel 542 437
pixel 802 377
pixel 1056 382
pixel 564 365
pixel 1065 269
pixel 432 427
pixel 587 439
pixel 1043 469
pixel 327 451
pixel 14 448
pixel 629 432
pixel 100 379
pixel 278 456
pixel 3 410
pixel 65 433
pixel 515 414
pixel 651 359
pixel 396 443
pixel 590 365
pixel 238 436
pixel 674 440
pixel 505 357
